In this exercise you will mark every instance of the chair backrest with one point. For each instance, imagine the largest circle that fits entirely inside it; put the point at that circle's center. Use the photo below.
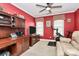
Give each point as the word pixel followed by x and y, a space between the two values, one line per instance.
pixel 75 36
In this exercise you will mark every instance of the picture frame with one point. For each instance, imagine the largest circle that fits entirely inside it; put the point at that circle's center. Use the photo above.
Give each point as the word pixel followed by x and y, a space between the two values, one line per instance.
pixel 48 23
pixel 69 20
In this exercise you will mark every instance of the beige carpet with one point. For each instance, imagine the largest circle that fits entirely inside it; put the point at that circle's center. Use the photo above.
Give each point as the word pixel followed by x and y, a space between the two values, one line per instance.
pixel 41 49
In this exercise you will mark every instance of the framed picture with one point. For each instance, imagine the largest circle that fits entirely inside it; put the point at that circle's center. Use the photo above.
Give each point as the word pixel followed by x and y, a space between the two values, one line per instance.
pixel 68 20
pixel 48 23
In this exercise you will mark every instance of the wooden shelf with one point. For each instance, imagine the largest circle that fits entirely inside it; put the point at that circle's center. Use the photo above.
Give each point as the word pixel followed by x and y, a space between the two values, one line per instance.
pixel 5 13
pixel 11 19
pixel 5 19
pixel 5 25
pixel 12 24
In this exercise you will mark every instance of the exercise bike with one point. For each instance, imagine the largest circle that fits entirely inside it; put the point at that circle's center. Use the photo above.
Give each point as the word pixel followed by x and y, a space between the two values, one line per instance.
pixel 58 35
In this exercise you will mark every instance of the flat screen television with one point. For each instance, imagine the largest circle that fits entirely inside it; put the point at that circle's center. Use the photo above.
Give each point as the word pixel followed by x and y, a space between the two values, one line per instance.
pixel 32 29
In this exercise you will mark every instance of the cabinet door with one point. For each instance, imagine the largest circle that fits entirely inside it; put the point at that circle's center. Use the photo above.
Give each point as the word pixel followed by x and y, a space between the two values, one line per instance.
pixel 17 22
pixel 25 44
pixel 22 23
pixel 19 49
pixel 19 46
pixel 33 40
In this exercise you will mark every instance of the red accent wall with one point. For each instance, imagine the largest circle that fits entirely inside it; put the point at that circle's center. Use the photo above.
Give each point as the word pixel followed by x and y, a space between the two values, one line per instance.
pixel 77 20
pixel 48 32
pixel 69 26
pixel 29 20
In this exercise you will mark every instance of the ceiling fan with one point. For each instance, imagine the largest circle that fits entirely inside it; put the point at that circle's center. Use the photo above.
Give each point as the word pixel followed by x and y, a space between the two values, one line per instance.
pixel 48 7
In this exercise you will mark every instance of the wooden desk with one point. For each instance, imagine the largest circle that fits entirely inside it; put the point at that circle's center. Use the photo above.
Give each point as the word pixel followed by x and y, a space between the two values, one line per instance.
pixel 21 44
pixel 6 42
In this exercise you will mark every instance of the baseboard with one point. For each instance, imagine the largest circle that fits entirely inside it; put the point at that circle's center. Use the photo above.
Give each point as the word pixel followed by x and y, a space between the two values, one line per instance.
pixel 46 40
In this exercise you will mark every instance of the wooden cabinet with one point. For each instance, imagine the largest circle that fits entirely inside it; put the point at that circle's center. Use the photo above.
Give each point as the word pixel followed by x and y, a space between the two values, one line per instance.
pixel 18 22
pixel 17 46
pixel 11 20
pixel 34 39
pixel 22 44
pixel 12 24
pixel 25 44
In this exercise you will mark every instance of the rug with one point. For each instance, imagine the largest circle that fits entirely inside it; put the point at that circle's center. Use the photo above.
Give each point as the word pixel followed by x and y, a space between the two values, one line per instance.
pixel 41 49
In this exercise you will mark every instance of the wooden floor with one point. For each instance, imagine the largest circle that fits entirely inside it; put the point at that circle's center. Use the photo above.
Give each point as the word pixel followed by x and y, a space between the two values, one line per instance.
pixel 41 48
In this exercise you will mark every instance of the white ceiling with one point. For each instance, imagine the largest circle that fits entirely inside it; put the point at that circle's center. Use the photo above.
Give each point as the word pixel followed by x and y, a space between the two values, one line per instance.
pixel 33 10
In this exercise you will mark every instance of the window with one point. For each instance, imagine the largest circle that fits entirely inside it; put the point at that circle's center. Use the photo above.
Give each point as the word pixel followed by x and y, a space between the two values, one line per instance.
pixel 39 28
pixel 60 25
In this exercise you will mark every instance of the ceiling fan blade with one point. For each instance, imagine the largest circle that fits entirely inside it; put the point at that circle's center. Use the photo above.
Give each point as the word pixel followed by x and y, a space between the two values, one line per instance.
pixel 43 10
pixel 49 4
pixel 56 7
pixel 50 11
pixel 40 5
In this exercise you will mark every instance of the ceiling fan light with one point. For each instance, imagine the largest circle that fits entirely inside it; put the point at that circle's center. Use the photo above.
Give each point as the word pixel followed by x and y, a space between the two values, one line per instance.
pixel 48 8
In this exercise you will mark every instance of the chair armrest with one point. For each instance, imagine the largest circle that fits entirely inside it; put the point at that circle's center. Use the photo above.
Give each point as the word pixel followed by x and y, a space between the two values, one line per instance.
pixel 63 39
pixel 60 51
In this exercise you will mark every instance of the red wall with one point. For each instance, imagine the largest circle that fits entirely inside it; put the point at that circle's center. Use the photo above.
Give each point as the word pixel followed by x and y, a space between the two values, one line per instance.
pixel 77 20
pixel 69 26
pixel 48 32
pixel 29 20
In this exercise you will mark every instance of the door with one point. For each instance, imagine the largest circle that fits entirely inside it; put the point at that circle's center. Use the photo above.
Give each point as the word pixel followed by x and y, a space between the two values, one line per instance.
pixel 59 24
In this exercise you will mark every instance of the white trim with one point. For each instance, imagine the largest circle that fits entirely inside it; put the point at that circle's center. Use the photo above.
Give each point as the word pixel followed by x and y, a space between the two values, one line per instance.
pixel 56 14
pixel 47 40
